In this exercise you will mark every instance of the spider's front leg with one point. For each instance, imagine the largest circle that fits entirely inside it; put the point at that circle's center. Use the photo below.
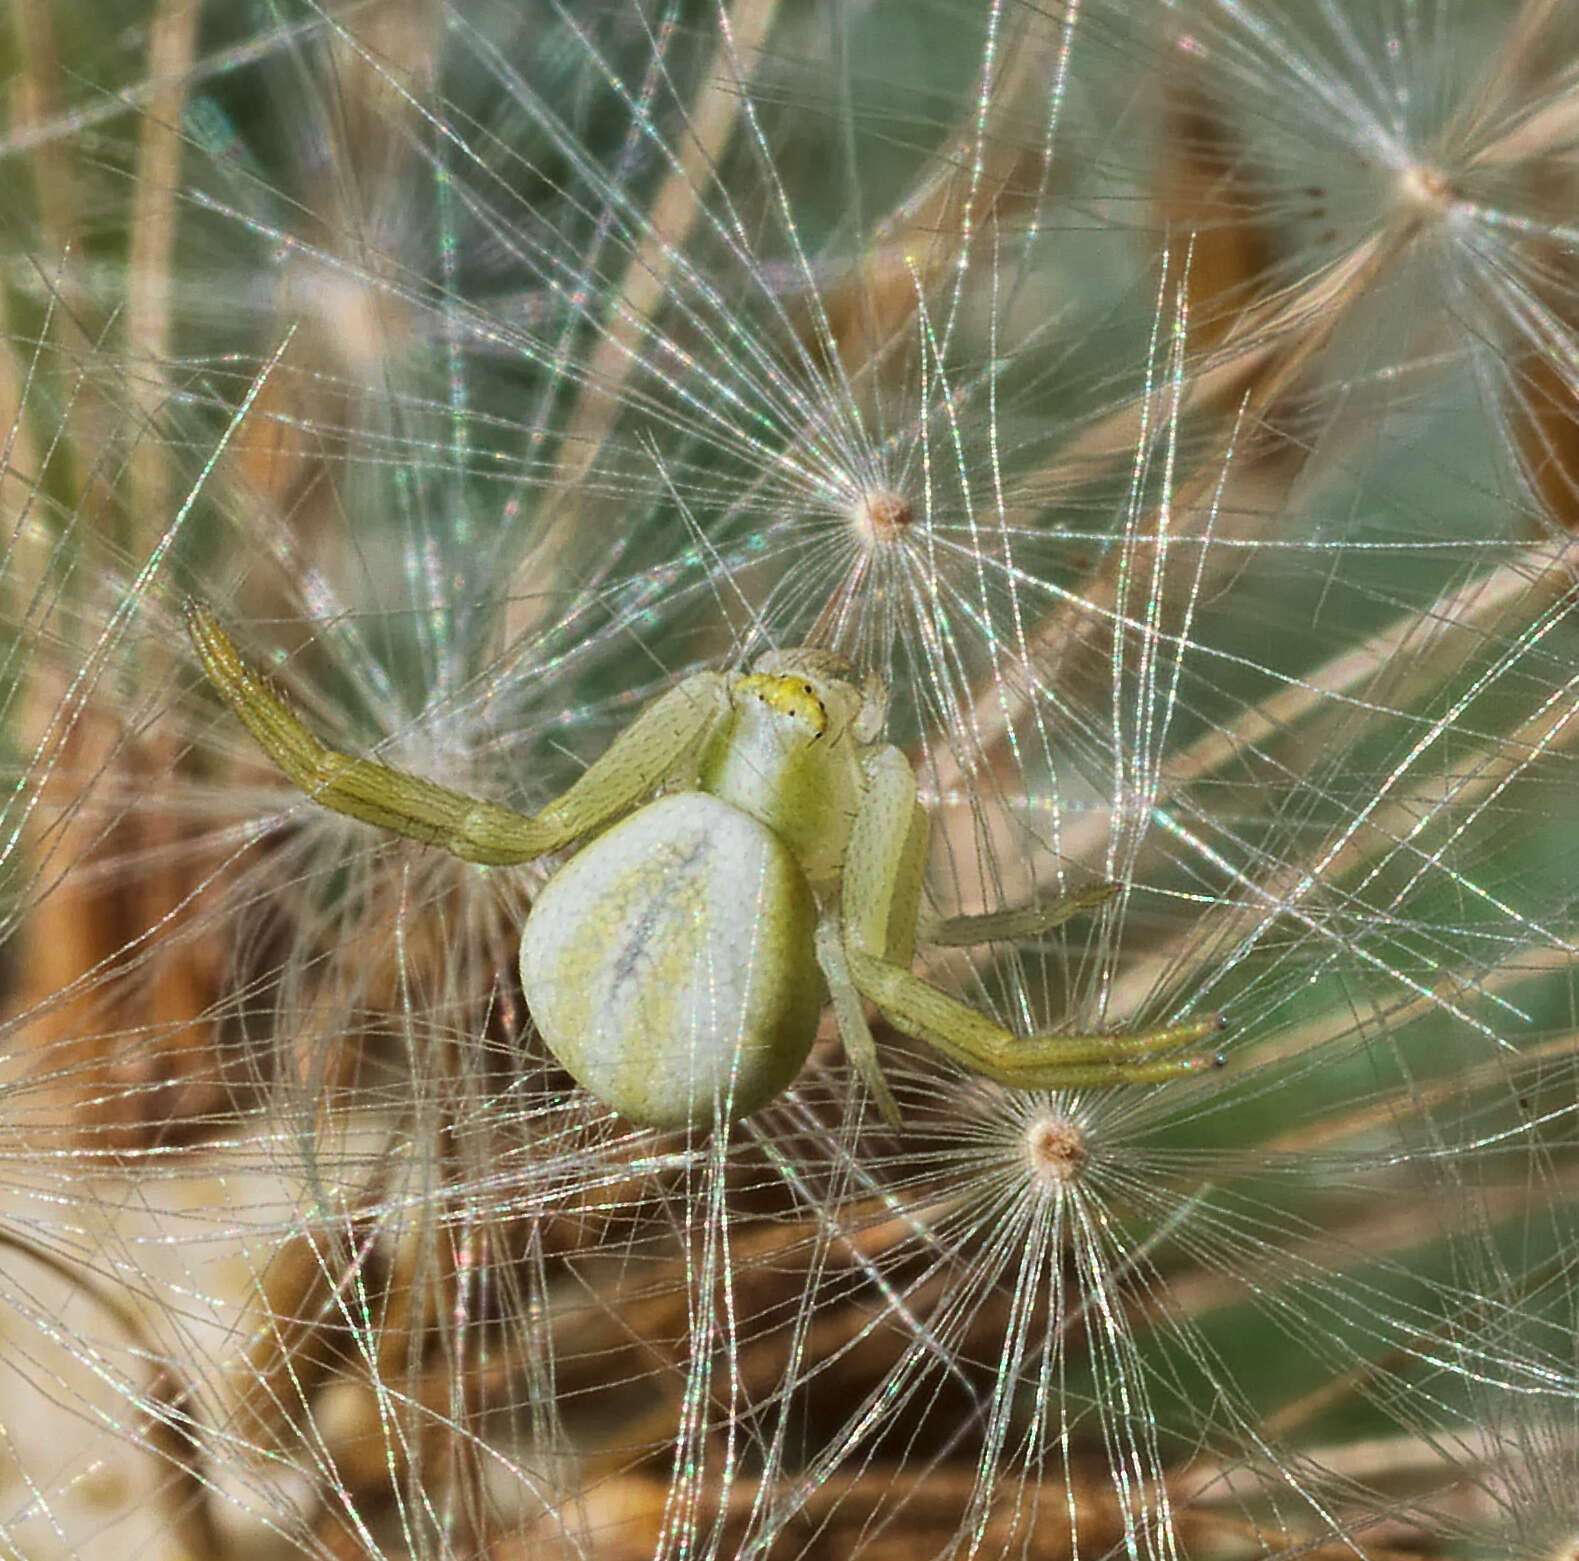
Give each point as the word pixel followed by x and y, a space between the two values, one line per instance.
pixel 1020 921
pixel 878 903
pixel 880 893
pixel 670 730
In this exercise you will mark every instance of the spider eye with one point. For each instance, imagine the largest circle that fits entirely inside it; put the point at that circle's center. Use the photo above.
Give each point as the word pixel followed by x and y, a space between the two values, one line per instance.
pixel 788 696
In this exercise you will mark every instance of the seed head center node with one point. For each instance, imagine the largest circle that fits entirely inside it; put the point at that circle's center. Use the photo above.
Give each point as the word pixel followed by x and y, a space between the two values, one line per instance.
pixel 1424 190
pixel 1055 1150
pixel 883 515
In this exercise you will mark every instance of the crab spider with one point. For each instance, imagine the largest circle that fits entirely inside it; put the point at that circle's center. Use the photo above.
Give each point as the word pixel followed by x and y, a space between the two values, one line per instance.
pixel 751 849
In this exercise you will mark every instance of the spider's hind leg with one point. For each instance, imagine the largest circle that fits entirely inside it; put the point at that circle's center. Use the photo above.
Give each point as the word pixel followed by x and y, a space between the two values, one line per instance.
pixel 850 1013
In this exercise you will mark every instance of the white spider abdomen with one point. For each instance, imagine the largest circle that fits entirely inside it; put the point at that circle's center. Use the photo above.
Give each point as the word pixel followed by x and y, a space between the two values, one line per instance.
pixel 670 964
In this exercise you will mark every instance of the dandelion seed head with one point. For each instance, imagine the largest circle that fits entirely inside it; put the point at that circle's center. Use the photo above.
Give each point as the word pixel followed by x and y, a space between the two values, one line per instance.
pixel 578 357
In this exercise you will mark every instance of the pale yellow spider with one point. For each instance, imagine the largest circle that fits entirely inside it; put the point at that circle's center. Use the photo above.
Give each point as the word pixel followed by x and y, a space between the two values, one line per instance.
pixel 752 848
